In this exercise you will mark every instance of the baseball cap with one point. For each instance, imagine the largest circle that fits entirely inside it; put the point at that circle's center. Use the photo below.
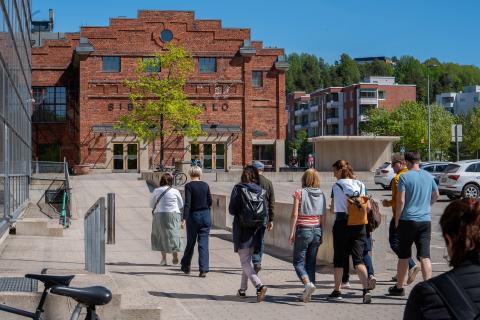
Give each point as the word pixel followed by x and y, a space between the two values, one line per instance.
pixel 259 165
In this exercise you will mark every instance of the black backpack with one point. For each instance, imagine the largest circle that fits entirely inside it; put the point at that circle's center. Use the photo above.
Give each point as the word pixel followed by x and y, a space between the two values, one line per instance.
pixel 253 212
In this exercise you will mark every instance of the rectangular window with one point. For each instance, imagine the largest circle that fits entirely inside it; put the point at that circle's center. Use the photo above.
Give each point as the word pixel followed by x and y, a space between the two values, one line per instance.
pixel 382 95
pixel 257 79
pixel 152 64
pixel 368 93
pixel 207 65
pixel 111 64
pixel 50 104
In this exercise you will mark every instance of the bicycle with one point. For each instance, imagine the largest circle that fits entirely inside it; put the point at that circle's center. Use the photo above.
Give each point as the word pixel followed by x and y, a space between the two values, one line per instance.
pixel 88 297
pixel 179 178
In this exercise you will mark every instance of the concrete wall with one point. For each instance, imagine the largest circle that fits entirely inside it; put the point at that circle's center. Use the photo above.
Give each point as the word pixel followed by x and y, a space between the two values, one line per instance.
pixel 362 155
pixel 277 239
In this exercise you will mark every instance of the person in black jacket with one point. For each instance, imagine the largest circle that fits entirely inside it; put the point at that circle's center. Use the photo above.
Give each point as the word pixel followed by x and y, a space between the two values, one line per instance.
pixel 460 224
pixel 247 240
pixel 196 213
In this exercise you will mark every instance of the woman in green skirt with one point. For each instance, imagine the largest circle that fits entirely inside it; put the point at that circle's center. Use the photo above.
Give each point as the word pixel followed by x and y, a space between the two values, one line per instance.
pixel 167 204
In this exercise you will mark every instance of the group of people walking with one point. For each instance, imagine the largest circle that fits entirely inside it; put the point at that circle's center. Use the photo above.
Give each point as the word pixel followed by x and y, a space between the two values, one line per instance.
pixel 252 204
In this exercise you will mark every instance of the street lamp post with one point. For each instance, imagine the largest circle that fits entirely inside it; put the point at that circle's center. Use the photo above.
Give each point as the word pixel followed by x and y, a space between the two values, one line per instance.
pixel 429 108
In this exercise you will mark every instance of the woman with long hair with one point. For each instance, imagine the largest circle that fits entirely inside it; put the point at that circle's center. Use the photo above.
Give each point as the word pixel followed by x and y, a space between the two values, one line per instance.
pixel 306 223
pixel 247 238
pixel 347 239
pixel 456 293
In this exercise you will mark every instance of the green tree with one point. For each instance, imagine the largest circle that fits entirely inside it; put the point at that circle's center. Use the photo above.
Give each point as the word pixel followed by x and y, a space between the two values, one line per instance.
pixel 302 146
pixel 376 68
pixel 471 132
pixel 347 70
pixel 410 122
pixel 160 104
pixel 410 71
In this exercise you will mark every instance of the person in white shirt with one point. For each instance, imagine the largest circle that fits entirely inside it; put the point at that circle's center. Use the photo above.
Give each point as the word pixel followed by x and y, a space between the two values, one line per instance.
pixel 167 205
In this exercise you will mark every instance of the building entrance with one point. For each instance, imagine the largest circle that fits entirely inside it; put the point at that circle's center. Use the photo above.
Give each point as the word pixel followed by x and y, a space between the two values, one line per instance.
pixel 210 155
pixel 125 157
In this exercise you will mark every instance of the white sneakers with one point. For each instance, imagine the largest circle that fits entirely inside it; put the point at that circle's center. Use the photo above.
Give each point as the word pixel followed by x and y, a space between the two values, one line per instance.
pixel 372 282
pixel 307 293
pixel 345 285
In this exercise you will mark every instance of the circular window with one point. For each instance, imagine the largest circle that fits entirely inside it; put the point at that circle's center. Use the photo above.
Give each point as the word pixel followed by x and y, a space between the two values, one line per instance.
pixel 166 35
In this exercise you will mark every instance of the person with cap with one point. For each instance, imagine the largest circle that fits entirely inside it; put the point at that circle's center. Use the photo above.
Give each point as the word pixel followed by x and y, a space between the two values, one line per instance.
pixel 265 184
pixel 399 166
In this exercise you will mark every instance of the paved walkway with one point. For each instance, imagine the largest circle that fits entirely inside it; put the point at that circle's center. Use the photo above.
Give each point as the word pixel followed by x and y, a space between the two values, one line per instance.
pixel 140 278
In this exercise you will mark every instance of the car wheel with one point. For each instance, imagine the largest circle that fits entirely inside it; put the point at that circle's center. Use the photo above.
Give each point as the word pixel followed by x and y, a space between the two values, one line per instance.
pixel 471 191
pixel 452 197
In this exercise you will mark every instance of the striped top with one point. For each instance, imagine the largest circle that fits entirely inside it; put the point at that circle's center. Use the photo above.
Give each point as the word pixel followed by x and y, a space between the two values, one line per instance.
pixel 302 219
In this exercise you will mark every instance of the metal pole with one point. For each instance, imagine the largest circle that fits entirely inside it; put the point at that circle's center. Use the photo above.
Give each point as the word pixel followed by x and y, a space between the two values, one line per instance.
pixel 111 218
pixel 456 141
pixel 429 111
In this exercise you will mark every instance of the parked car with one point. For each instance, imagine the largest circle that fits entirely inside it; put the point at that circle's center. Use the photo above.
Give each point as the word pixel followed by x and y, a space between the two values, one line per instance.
pixel 384 175
pixel 461 179
pixel 435 169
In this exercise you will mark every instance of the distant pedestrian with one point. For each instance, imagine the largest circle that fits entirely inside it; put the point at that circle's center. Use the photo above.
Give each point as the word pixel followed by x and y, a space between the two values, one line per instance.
pixel 456 293
pixel 310 161
pixel 249 208
pixel 266 185
pixel 399 167
pixel 306 223
pixel 416 192
pixel 196 213
pixel 167 204
pixel 347 239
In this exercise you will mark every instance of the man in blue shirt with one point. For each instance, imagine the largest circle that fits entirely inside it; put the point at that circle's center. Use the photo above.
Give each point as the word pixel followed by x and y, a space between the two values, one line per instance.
pixel 416 192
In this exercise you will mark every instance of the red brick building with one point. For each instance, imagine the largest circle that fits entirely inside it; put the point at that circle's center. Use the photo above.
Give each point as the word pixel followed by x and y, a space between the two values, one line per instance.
pixel 338 111
pixel 78 86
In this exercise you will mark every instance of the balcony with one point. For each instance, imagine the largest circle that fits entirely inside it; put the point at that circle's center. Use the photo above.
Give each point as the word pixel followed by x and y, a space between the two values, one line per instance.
pixel 314 108
pixel 333 104
pixel 333 120
pixel 314 124
pixel 368 101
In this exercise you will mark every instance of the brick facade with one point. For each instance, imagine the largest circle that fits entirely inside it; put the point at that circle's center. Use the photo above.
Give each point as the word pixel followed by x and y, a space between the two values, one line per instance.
pixel 227 95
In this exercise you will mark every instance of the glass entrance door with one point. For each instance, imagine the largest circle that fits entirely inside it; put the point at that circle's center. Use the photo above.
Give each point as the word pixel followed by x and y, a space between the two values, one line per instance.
pixel 207 156
pixel 132 157
pixel 220 157
pixel 118 157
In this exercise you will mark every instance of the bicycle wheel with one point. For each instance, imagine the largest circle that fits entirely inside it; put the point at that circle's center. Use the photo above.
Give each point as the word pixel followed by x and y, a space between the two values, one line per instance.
pixel 180 179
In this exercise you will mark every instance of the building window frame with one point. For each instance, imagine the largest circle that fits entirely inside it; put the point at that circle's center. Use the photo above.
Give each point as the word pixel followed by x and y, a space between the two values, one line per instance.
pixel 257 79
pixel 207 64
pixel 111 64
pixel 50 104
pixel 156 68
pixel 382 95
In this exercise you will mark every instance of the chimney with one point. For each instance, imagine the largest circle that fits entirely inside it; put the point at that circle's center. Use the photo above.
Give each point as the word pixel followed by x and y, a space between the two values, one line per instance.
pixel 51 19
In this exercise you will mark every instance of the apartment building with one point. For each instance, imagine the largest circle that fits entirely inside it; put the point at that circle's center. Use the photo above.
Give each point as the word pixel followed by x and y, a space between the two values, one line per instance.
pixel 459 102
pixel 339 111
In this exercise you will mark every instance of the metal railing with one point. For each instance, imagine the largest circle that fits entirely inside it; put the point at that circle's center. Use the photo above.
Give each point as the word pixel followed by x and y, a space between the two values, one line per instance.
pixel 66 212
pixel 94 228
pixel 39 167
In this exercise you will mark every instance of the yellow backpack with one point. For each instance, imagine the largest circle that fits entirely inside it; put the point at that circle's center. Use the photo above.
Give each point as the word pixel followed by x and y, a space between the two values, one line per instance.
pixel 357 208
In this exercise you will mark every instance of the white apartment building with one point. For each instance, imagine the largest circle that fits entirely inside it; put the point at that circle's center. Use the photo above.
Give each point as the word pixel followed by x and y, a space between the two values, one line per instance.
pixel 460 102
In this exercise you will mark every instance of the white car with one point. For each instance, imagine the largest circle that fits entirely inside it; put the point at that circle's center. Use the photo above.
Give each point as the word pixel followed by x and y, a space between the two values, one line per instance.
pixel 461 179
pixel 384 175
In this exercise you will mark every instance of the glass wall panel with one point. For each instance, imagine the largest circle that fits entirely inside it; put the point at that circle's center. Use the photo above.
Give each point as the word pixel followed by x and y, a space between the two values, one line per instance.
pixel 15 106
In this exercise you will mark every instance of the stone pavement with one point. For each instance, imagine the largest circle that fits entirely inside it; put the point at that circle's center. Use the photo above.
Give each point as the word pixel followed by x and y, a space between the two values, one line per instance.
pixel 139 277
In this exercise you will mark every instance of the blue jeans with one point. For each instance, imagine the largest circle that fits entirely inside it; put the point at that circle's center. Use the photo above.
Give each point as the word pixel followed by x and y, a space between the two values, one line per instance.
pixel 198 227
pixel 305 248
pixel 257 257
pixel 367 260
pixel 394 240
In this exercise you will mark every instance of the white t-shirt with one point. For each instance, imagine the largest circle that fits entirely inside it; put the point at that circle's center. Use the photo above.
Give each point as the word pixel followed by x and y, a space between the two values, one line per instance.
pixel 349 187
pixel 171 201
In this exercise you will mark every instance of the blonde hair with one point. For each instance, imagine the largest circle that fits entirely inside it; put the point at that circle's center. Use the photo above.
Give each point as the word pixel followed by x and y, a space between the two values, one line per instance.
pixel 195 172
pixel 311 179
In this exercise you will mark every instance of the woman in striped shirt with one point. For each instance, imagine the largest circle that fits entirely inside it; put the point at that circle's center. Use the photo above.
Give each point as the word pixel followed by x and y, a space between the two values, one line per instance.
pixel 308 217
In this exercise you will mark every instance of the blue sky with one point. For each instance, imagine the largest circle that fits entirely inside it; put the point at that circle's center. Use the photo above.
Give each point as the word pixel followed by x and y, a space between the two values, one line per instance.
pixel 443 29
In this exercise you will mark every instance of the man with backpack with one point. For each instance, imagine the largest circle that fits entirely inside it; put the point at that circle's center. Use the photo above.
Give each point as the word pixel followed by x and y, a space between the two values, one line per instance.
pixel 249 208
pixel 399 167
pixel 266 185
pixel 416 192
